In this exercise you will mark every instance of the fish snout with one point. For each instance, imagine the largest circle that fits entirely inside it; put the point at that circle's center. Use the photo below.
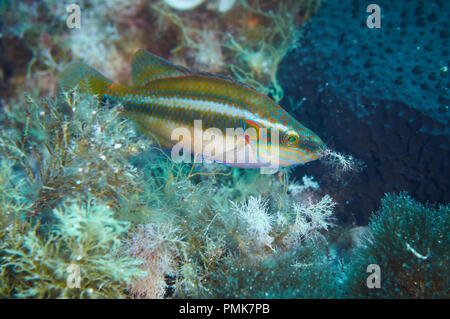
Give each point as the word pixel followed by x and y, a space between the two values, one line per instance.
pixel 313 145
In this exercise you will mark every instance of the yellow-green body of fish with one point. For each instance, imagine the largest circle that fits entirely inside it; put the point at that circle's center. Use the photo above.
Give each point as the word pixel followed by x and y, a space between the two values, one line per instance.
pixel 166 97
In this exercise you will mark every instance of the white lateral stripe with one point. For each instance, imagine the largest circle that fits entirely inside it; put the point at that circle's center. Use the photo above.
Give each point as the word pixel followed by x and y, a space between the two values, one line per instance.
pixel 204 106
pixel 216 107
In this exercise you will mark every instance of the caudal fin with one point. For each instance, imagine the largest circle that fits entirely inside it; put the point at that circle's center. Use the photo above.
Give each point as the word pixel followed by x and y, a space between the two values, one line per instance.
pixel 86 78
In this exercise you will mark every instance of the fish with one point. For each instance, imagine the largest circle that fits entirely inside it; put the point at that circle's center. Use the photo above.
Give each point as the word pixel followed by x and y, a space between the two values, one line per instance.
pixel 169 101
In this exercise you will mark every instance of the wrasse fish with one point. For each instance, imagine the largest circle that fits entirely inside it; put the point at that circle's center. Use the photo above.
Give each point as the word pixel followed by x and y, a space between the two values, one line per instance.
pixel 165 97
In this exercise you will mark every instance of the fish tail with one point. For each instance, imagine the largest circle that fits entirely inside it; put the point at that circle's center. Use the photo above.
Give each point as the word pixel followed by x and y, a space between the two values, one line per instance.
pixel 86 78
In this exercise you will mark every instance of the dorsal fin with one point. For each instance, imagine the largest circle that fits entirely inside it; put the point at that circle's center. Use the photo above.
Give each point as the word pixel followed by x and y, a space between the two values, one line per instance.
pixel 147 67
pixel 221 77
pixel 85 77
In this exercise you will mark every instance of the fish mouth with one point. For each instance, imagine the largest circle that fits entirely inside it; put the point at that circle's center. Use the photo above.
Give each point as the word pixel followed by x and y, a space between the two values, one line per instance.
pixel 305 151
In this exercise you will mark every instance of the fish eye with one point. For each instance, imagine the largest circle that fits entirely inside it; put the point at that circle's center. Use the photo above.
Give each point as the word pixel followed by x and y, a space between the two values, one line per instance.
pixel 289 138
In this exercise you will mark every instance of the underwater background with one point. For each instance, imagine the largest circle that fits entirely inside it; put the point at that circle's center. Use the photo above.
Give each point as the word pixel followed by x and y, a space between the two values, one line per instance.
pixel 92 208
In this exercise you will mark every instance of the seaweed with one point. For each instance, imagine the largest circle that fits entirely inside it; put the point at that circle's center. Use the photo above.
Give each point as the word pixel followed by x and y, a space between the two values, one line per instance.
pixel 409 241
pixel 276 277
pixel 206 226
pixel 64 175
pixel 72 149
pixel 38 262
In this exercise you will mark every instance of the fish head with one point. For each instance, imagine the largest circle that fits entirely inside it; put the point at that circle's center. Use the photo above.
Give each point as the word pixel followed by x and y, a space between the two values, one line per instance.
pixel 294 143
pixel 299 145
